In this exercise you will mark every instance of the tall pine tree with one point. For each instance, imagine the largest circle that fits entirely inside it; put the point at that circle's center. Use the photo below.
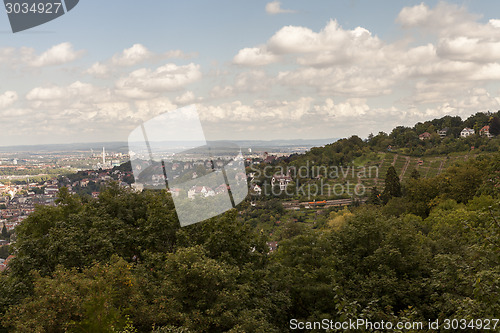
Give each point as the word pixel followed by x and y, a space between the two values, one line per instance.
pixel 392 185
pixel 5 233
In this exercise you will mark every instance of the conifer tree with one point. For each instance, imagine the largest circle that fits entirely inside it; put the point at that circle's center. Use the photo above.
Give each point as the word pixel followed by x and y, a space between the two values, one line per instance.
pixel 5 233
pixel 392 185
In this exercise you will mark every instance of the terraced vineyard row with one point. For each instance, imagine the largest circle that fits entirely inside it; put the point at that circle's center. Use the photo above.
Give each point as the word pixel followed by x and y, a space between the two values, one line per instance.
pixel 404 165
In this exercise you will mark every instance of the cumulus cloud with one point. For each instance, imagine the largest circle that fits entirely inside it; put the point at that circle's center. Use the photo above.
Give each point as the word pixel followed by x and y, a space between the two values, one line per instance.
pixel 57 55
pixel 274 7
pixel 335 74
pixel 132 56
pixel 76 89
pixel 221 92
pixel 144 82
pixel 186 98
pixel 332 45
pixel 351 108
pixel 252 81
pixel 136 54
pixel 357 63
pixel 444 19
pixel 98 69
pixel 81 104
pixel 355 81
pixel 254 56
pixel 7 99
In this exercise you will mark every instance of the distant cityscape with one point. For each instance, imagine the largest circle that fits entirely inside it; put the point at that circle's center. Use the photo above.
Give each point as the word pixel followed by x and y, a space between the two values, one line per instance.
pixel 33 177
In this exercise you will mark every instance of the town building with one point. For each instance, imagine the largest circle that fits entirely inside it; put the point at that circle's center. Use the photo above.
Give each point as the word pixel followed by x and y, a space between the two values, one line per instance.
pixel 424 136
pixel 485 131
pixel 443 132
pixel 282 180
pixel 467 132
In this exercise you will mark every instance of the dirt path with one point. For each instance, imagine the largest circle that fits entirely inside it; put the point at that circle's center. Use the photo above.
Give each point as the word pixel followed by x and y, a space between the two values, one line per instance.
pixel 376 178
pixel 404 168
pixel 441 166
pixel 428 168
pixel 395 159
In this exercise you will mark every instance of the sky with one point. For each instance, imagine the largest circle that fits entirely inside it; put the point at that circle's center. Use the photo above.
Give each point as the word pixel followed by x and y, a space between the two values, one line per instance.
pixel 253 69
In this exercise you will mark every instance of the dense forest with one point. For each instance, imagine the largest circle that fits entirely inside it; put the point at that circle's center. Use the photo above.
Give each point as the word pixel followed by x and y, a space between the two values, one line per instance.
pixel 417 251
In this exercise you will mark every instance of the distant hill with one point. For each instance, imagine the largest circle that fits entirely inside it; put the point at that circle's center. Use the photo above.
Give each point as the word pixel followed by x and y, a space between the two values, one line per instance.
pixel 122 147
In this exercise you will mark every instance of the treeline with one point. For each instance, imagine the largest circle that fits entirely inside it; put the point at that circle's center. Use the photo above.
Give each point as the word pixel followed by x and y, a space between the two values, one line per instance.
pixel 405 140
pixel 122 263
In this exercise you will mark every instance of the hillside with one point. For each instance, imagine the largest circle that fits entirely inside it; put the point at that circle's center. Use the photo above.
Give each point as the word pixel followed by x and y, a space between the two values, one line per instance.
pixel 424 248
pixel 351 161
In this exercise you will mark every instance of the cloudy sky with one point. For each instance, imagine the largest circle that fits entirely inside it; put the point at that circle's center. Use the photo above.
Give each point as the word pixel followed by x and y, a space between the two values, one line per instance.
pixel 254 69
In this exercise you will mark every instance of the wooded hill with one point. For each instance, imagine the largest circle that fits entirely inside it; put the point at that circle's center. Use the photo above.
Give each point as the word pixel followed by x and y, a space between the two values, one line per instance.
pixel 421 250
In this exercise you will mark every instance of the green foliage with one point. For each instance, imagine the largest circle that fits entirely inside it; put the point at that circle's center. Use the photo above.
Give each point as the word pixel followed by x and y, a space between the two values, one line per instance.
pixel 4 251
pixel 392 186
pixel 495 126
pixel 121 263
pixel 74 234
pixel 94 300
pixel 415 174
pixel 5 233
pixel 375 197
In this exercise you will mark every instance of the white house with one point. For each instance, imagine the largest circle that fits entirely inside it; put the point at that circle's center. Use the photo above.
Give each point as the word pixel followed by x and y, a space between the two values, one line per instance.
pixel 256 189
pixel 466 132
pixel 203 191
pixel 282 180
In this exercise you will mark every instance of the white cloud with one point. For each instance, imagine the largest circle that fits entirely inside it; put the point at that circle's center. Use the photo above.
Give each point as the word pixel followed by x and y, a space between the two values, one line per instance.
pixel 252 81
pixel 332 45
pixel 351 108
pixel 334 74
pixel 221 92
pixel 178 54
pixel 136 54
pixel 354 81
pixel 186 98
pixel 74 90
pixel 79 105
pixel 274 7
pixel 254 56
pixel 57 55
pixel 98 70
pixel 7 99
pixel 144 83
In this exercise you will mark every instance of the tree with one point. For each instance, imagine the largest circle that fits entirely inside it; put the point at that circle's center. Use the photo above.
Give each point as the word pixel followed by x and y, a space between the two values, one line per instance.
pixel 94 300
pixel 495 126
pixel 4 251
pixel 392 185
pixel 5 233
pixel 415 174
pixel 375 196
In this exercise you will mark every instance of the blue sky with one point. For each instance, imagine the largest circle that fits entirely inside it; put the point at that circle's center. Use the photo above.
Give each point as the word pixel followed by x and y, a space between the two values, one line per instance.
pixel 254 69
